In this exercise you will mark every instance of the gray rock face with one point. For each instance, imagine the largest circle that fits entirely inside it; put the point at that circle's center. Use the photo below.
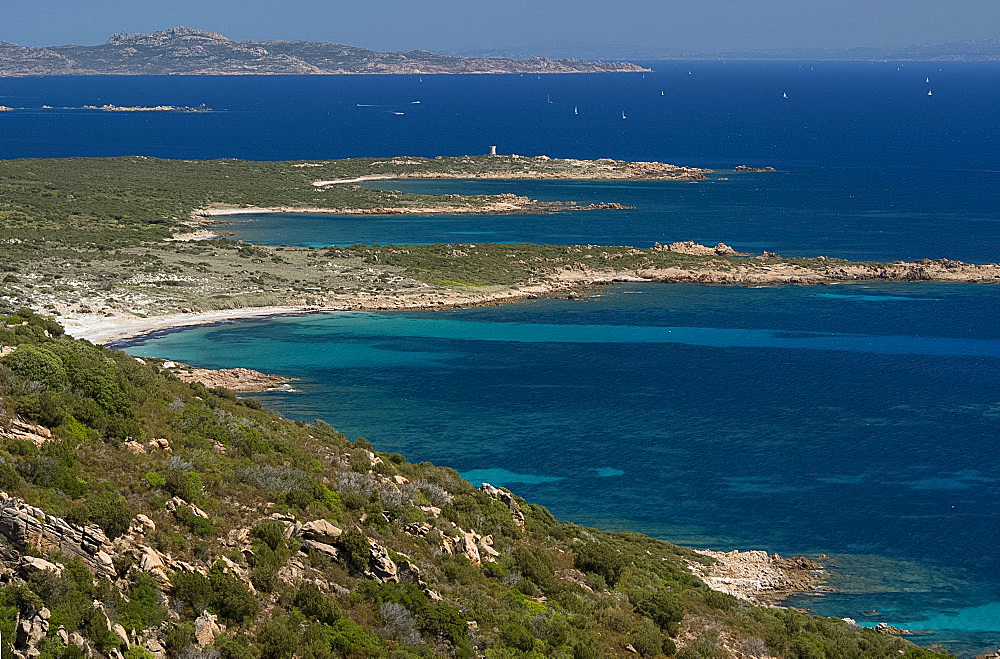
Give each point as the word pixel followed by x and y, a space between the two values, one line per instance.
pixel 26 526
pixel 380 566
pixel 205 628
pixel 30 631
pixel 320 530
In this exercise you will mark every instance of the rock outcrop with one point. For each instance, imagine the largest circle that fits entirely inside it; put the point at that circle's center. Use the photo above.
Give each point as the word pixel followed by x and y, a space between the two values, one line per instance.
pixel 17 428
pixel 505 497
pixel 758 576
pixel 691 247
pixel 25 526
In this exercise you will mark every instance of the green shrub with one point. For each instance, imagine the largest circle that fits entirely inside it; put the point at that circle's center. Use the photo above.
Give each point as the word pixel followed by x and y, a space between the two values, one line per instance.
pixel 235 647
pixel 601 559
pixel 155 480
pixel 37 364
pixel 276 639
pixel 316 605
pixel 110 511
pixel 269 531
pixel 445 622
pixel 143 609
pixel 534 565
pixel 193 589
pixel 646 638
pixel 178 638
pixel 662 607
pixel 348 639
pixel 231 597
pixel 355 549
pixel 184 484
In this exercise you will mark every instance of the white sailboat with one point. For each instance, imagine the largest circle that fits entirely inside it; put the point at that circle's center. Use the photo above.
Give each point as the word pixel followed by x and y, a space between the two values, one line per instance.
pixel 784 95
pixel 576 110
pixel 623 114
pixel 927 79
pixel 661 93
pixel 930 93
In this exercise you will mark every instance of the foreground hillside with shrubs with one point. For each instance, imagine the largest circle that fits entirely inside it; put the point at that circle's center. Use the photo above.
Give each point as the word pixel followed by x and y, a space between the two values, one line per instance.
pixel 142 516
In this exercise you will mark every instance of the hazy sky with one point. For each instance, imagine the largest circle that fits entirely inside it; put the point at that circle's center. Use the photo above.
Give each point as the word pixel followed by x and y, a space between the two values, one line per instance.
pixel 464 24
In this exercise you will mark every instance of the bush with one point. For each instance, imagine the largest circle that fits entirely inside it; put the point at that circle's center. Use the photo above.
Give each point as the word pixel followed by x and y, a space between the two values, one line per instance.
pixel 662 607
pixel 534 565
pixel 601 559
pixel 143 609
pixel 444 622
pixel 110 511
pixel 178 638
pixel 355 549
pixel 315 604
pixel 269 531
pixel 235 647
pixel 192 589
pixel 183 484
pixel 231 597
pixel 646 638
pixel 277 640
pixel 37 364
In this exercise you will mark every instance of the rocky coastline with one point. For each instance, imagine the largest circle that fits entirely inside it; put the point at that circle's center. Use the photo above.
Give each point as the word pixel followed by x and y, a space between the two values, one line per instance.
pixel 759 577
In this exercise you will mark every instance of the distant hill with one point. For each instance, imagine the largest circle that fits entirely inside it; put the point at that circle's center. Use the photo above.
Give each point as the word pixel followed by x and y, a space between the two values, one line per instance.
pixel 982 50
pixel 183 50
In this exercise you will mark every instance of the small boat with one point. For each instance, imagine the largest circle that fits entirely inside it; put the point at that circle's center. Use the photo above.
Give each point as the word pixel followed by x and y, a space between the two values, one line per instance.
pixel 415 102
pixel 420 79
pixel 689 73
pixel 548 98
pixel 930 93
pixel 661 93
pixel 784 95
pixel 576 110
pixel 399 114
pixel 927 79
pixel 623 114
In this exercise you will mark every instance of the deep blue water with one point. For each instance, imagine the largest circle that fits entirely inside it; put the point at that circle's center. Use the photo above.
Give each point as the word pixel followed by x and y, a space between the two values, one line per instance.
pixel 856 421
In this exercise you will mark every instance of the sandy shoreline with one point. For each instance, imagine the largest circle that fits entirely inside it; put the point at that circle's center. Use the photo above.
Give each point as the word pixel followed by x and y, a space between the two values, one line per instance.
pixel 112 329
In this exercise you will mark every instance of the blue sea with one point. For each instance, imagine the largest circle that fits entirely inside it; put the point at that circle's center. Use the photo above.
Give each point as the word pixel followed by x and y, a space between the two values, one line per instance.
pixel 857 421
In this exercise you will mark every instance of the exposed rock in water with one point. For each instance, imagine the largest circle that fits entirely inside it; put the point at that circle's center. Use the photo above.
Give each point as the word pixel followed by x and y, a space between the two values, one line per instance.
pixel 243 380
pixel 747 168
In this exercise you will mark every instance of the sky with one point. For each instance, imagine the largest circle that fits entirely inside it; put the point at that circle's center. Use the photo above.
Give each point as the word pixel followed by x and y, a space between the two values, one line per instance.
pixel 456 25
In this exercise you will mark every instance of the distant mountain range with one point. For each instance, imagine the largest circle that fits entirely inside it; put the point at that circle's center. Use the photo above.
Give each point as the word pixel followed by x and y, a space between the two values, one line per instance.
pixel 187 51
pixel 983 50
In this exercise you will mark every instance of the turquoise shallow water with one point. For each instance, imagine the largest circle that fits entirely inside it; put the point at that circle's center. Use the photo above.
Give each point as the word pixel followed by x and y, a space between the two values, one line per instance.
pixel 852 420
